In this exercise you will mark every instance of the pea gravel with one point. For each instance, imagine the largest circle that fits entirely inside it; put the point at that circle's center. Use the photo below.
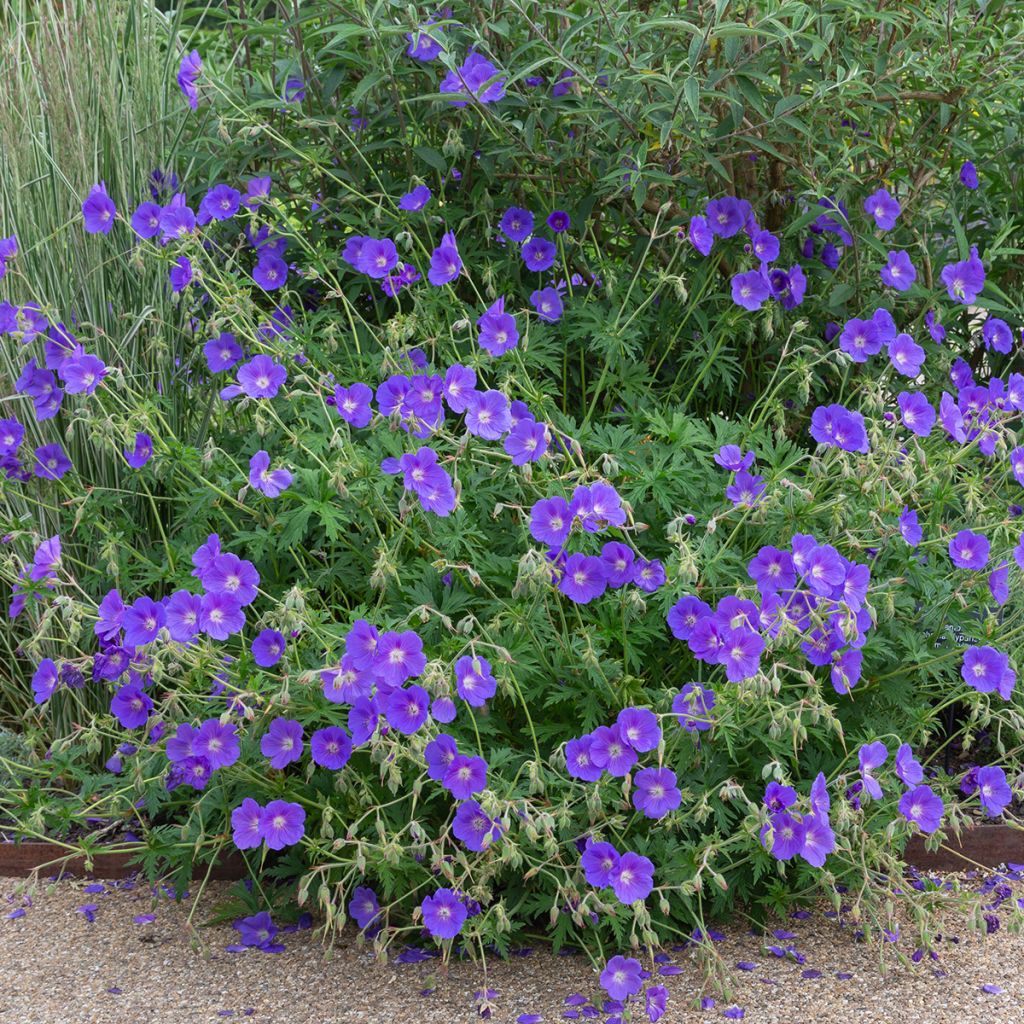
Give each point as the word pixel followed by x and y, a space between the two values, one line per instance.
pixel 56 967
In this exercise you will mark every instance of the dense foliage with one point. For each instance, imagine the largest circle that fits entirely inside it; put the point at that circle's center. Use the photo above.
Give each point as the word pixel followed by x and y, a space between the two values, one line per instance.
pixel 573 482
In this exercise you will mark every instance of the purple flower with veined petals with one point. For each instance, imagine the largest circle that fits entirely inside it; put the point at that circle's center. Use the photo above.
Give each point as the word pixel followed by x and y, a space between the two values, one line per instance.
pixel 582 579
pixel 261 377
pixel 476 76
pixel 741 654
pixel 44 681
pixel 282 824
pixel 538 254
pixel 131 706
pixel 352 404
pixel 364 908
pixel 908 769
pixel 655 1000
pixel 459 387
pixel 282 742
pixel 969 550
pixel 465 776
pixel 917 412
pixel 639 728
pixel 611 751
pixel 997 335
pixel 600 862
pixel 98 210
pixel 884 208
pixel 860 339
pixel 487 415
pixel 526 442
pixel 398 657
pixel 910 530
pixel 622 977
pixel 146 220
pixel 558 221
pixel 415 200
pixel 271 482
pixel 702 238
pixel 188 74
pixel 216 742
pixel 788 835
pixel 548 304
pixel 377 257
pixel 46 560
pixel 750 289
pixel 845 672
pixel 733 458
pixel 923 807
pixel 81 373
pixel 899 272
pixel 445 262
pixel 649 576
pixel 474 828
pixel 993 790
pixel 550 521
pixel 221 615
pixel 819 840
pixel 51 462
pixel 772 570
pixel 906 356
pixel 964 280
pixel 987 670
pixel 726 216
pixel 693 707
pixel 444 914
pixel 498 332
pixel 267 648
pixel 656 793
pixel 228 574
pixel 142 621
pixel 579 761
pixel 222 352
pixel 474 680
pixel 872 756
pixel 839 427
pixel 270 272
pixel 633 878
pixel 746 489
pixel 407 709
pixel 516 224
pixel 685 614
pixel 330 747
pixel 142 452
pixel 246 821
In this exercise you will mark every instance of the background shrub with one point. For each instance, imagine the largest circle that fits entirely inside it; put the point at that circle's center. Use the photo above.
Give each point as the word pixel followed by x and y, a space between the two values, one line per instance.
pixel 629 120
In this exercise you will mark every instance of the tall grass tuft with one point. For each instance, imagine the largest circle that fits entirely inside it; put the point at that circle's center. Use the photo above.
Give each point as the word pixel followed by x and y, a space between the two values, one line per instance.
pixel 87 92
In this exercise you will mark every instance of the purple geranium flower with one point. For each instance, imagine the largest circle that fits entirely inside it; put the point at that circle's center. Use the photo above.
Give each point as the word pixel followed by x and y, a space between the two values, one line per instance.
pixel 270 482
pixel 444 914
pixel 246 821
pixel 98 211
pixel 872 756
pixel 407 709
pixel 445 262
pixel 750 289
pixel 268 647
pixel 923 807
pixel 282 824
pixel 917 412
pixel 188 74
pixel 516 224
pixel 656 793
pixel 548 304
pixel 415 199
pixel 131 706
pixel 965 279
pixel 474 828
pixel 969 550
pixel 261 377
pixel 633 878
pixel 884 208
pixel 622 977
pixel 582 578
pixel 899 272
pixel 282 742
pixel 330 747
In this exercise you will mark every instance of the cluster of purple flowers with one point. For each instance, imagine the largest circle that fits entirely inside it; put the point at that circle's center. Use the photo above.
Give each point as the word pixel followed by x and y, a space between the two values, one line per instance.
pixel 581 577
pixel 746 488
pixel 281 823
pixel 728 216
pixel 787 834
pixel 630 875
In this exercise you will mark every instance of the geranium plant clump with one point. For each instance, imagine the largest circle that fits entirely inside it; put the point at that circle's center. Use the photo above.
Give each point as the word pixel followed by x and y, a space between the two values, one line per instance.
pixel 435 627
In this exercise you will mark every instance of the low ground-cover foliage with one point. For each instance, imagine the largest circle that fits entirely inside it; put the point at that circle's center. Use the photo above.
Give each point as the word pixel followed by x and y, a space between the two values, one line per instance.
pixel 537 554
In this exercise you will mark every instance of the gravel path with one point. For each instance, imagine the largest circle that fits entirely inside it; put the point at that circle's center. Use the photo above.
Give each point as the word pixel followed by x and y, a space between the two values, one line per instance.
pixel 57 967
